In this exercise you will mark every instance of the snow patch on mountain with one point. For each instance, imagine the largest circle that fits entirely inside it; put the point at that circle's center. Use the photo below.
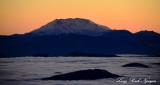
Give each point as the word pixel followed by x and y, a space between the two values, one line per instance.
pixel 71 25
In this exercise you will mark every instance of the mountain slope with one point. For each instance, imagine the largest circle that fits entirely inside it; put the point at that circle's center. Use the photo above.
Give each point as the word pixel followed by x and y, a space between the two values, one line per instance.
pixel 68 37
pixel 66 26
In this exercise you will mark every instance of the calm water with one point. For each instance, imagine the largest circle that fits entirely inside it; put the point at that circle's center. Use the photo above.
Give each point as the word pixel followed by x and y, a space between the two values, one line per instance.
pixel 29 70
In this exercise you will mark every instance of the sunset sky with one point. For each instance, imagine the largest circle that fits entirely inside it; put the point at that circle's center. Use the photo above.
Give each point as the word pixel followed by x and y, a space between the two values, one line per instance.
pixel 20 16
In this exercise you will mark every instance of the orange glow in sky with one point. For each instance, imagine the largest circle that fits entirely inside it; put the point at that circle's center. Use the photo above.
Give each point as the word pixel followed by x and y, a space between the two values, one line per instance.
pixel 20 16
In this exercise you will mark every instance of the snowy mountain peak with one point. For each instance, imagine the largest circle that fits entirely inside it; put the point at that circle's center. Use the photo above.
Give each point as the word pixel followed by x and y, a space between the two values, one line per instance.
pixel 71 25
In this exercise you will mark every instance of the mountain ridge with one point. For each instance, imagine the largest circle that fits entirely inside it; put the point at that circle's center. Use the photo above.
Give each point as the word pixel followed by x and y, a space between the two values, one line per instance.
pixel 107 43
pixel 71 25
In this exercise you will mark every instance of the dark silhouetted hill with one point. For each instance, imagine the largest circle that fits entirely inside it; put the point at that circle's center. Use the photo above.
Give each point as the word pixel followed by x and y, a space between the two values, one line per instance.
pixel 98 40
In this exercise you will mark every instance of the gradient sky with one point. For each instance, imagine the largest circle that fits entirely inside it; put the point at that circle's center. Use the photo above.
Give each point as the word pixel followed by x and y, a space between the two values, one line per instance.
pixel 20 16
